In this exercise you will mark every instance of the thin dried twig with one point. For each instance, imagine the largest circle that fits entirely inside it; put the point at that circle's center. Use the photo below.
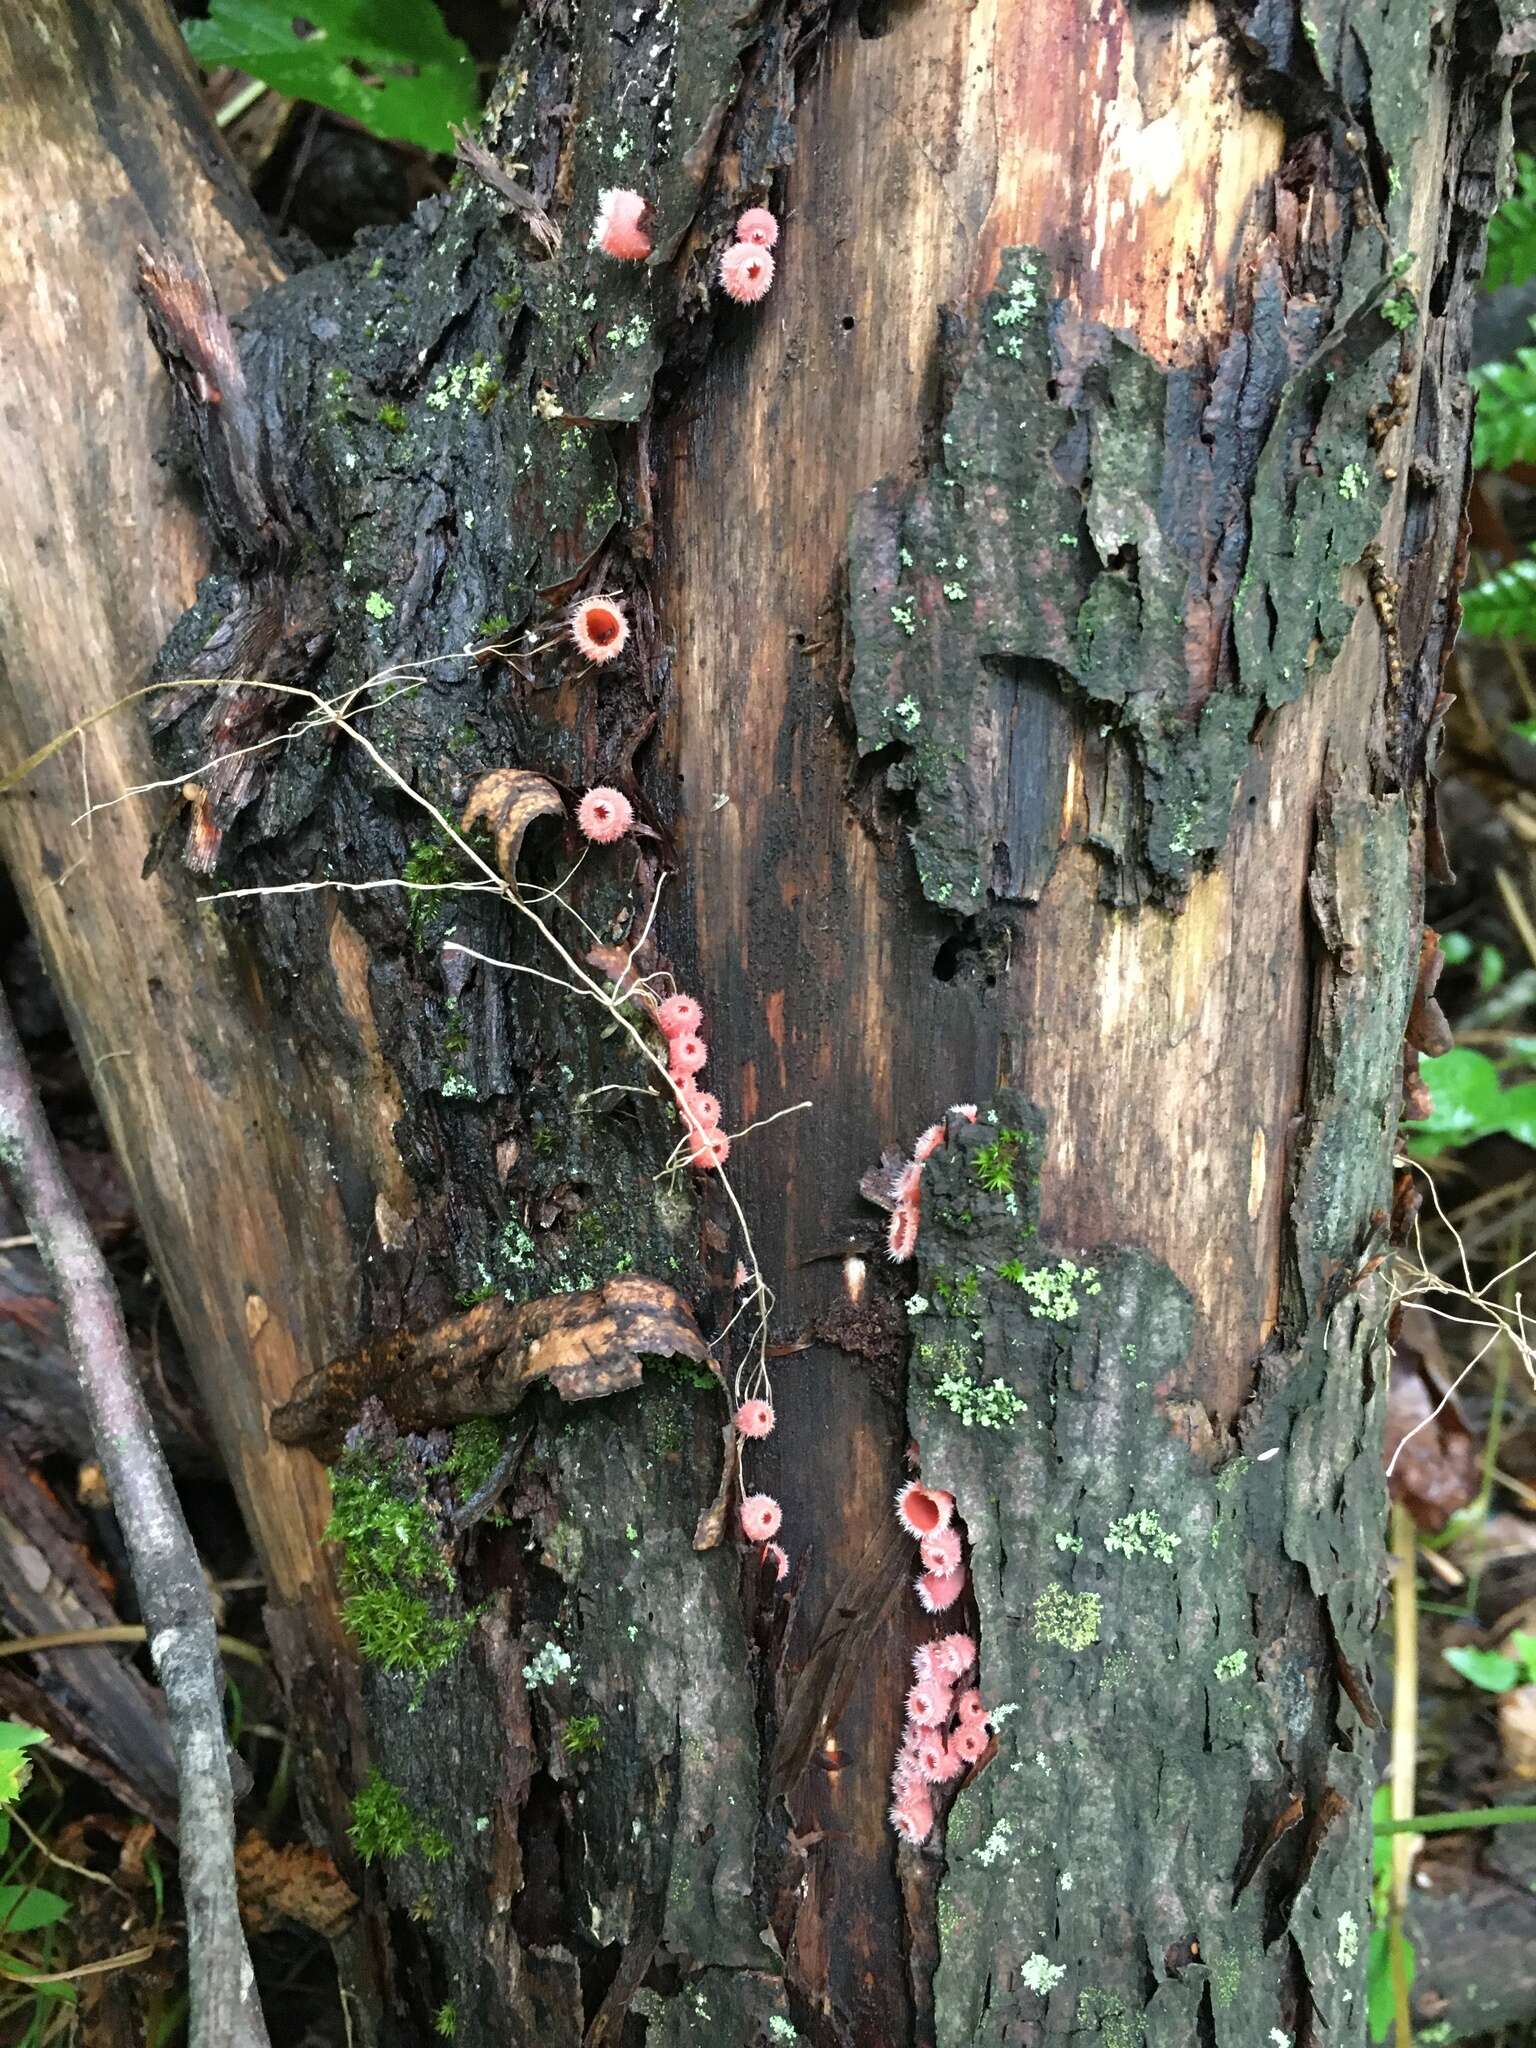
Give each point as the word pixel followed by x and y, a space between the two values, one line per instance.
pixel 173 1593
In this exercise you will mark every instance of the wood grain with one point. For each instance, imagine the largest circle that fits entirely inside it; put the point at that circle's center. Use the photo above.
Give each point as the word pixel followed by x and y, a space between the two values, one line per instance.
pixel 105 147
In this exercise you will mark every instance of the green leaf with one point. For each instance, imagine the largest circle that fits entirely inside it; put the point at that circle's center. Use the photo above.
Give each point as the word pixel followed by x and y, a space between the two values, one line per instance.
pixel 1506 411
pixel 1378 1984
pixel 1485 1668
pixel 1378 1977
pixel 16 1738
pixel 389 64
pixel 1522 1646
pixel 26 1907
pixel 1512 231
pixel 18 1735
pixel 1504 606
pixel 1468 1102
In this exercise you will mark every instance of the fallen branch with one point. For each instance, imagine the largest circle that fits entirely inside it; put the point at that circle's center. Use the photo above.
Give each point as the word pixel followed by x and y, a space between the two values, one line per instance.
pixel 166 1574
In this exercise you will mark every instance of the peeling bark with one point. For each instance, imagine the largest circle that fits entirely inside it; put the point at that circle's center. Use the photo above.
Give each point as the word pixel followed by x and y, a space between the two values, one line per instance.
pixel 1039 606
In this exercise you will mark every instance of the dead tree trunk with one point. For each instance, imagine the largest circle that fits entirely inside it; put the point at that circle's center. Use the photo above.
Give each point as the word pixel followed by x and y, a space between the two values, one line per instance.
pixel 1040 603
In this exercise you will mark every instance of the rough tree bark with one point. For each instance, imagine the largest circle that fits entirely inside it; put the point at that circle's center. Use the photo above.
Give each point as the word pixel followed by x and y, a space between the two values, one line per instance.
pixel 1040 608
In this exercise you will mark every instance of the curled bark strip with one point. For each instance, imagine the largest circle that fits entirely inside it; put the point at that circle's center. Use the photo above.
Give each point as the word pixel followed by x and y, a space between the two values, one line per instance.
pixel 709 1532
pixel 483 1361
pixel 173 1593
pixel 508 800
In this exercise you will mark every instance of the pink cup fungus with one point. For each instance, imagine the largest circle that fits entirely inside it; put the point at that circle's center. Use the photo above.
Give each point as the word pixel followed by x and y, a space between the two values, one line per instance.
pixel 901 1232
pixel 618 230
pixel 970 1741
pixel 922 1509
pixel 605 815
pixel 912 1816
pixel 928 1704
pixel 940 1551
pixel 599 628
pixel 679 1017
pixel 940 1590
pixel 754 1418
pixel 954 1655
pixel 929 1755
pixel 760 1517
pixel 758 226
pixel 746 272
pixel 708 1150
pixel 687 1054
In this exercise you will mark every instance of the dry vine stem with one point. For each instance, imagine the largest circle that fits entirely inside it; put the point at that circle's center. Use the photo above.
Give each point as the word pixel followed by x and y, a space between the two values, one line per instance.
pixel 166 1574
pixel 1419 1284
pixel 751 1379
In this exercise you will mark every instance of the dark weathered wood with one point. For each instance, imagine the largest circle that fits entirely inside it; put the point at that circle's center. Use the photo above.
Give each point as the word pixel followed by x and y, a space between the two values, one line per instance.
pixel 92 1699
pixel 1039 605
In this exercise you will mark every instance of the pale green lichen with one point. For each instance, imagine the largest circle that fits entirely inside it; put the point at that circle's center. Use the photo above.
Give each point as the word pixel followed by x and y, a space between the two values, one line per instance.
pixel 1141 1534
pixel 1023 297
pixel 378 606
pixel 1052 1290
pixel 1071 1620
pixel 1065 1540
pixel 1348 1950
pixel 780 2028
pixel 905 616
pixel 1105 2012
pixel 547 1665
pixel 997 1844
pixel 1352 481
pixel 908 714
pixel 979 1405
pixel 635 335
pixel 1041 1974
pixel 1233 1666
pixel 1226 1979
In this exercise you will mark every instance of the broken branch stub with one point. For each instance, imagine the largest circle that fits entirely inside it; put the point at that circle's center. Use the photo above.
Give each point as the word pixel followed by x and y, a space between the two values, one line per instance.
pixel 483 1361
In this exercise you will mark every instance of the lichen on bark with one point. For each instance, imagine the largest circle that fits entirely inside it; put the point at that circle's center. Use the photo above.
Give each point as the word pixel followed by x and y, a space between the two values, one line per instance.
pixel 1160 546
pixel 1149 1594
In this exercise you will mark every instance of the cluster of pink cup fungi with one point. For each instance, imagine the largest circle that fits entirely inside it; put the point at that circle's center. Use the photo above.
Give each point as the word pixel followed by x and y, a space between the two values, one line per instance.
pixel 759 1513
pixel 947 1729
pixel 605 815
pixel 906 1189
pixel 681 1023
pixel 622 230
